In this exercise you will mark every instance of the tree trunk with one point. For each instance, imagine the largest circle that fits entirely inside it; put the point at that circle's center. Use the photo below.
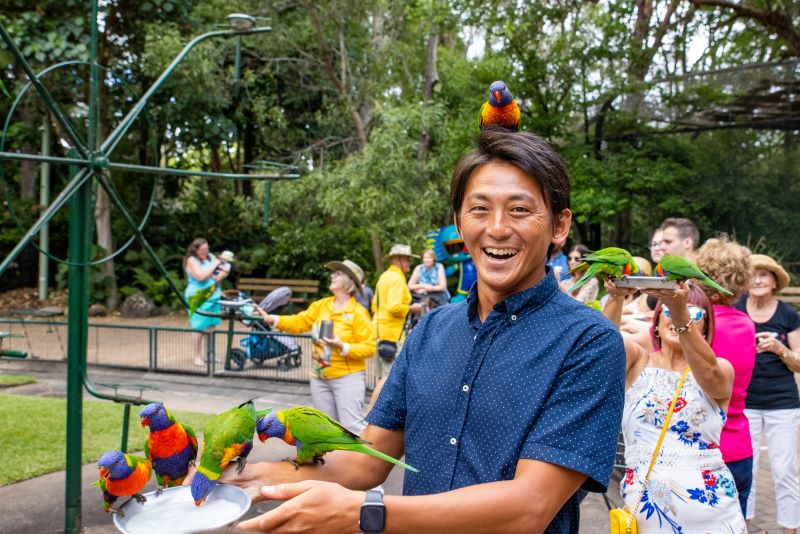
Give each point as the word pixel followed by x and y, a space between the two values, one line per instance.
pixel 27 174
pixel 102 207
pixel 377 253
pixel 431 79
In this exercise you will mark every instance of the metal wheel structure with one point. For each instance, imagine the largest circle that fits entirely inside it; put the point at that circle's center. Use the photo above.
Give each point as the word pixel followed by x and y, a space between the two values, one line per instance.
pixel 90 163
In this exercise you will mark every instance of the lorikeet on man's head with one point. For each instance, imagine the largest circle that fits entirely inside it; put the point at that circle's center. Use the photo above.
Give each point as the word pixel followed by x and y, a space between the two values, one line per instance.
pixel 228 437
pixel 677 268
pixel 501 109
pixel 314 434
pixel 170 447
pixel 122 475
pixel 610 261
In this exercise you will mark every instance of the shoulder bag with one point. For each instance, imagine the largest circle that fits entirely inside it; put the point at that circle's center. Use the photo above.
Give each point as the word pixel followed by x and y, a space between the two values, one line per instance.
pixel 622 520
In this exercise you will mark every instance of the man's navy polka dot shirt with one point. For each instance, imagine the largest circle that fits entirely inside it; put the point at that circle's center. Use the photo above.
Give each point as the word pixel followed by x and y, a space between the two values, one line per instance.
pixel 542 378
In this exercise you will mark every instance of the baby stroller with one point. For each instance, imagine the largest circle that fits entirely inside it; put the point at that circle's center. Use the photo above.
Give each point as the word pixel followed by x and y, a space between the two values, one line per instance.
pixel 261 346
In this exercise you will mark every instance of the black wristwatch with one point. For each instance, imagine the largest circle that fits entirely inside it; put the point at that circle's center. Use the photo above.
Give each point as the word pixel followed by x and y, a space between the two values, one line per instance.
pixel 373 513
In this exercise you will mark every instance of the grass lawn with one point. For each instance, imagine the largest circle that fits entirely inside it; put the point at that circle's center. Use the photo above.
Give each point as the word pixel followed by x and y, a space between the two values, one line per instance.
pixel 7 381
pixel 34 439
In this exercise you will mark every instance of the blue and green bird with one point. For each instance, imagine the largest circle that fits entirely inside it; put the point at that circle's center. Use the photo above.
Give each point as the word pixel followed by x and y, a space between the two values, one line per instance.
pixel 501 110
pixel 611 262
pixel 678 268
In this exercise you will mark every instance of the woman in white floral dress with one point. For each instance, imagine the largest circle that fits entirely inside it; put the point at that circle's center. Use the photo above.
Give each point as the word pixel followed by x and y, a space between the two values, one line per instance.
pixel 690 490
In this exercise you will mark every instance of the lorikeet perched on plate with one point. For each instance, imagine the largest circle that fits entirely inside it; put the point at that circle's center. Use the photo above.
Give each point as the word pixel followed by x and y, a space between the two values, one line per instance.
pixel 314 434
pixel 611 261
pixel 198 298
pixel 501 109
pixel 228 437
pixel 678 268
pixel 122 475
pixel 170 447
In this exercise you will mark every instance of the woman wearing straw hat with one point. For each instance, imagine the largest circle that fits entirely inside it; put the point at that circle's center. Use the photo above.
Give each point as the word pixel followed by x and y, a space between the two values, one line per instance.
pixel 338 380
pixel 772 403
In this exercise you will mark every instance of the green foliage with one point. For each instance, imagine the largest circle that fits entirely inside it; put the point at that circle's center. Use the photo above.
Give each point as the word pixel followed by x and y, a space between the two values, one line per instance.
pixel 26 420
pixel 149 281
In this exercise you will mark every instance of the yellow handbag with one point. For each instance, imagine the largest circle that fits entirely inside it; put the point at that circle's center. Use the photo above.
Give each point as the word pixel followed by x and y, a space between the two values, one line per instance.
pixel 622 520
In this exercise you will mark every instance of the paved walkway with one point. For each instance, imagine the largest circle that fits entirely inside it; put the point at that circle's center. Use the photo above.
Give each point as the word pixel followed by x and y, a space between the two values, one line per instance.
pixel 36 505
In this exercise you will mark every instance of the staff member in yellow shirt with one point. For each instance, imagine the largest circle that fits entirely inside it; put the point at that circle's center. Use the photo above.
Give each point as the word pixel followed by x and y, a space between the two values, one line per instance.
pixel 338 381
pixel 390 307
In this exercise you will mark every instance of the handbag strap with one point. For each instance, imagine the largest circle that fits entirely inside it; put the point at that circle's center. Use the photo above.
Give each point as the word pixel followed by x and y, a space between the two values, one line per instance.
pixel 660 439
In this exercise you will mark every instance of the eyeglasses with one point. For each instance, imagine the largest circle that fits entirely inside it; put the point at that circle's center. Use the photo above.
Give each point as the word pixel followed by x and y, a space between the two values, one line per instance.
pixel 695 313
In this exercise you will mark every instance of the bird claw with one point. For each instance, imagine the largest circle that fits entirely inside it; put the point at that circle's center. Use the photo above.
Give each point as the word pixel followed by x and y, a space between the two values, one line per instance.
pixel 319 460
pixel 113 511
pixel 141 499
pixel 240 463
pixel 292 461
pixel 159 491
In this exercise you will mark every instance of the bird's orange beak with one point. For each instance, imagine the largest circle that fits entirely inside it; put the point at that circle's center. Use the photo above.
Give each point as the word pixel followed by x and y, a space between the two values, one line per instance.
pixel 103 472
pixel 145 421
pixel 198 502
pixel 498 95
pixel 262 437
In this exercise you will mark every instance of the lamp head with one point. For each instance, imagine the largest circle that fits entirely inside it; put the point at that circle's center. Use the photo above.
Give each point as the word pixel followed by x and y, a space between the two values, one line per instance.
pixel 241 21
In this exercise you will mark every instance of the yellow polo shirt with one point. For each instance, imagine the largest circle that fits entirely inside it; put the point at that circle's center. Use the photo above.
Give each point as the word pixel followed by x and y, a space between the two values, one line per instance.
pixel 392 293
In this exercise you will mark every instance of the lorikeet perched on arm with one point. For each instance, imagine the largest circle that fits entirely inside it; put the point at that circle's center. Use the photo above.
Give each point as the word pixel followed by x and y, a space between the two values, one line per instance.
pixel 228 437
pixel 170 447
pixel 677 268
pixel 501 109
pixel 610 261
pixel 122 475
pixel 314 434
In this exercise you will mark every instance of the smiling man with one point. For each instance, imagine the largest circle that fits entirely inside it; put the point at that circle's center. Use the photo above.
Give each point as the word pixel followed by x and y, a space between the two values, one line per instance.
pixel 507 403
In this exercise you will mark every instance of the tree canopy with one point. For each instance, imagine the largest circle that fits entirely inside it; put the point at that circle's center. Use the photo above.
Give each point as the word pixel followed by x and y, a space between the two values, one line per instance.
pixel 376 101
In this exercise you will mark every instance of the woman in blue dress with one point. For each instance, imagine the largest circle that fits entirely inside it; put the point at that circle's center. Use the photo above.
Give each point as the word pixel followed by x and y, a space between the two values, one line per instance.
pixel 202 272
pixel 429 280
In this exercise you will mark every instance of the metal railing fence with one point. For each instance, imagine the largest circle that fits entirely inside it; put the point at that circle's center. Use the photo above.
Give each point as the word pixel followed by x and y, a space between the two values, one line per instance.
pixel 268 355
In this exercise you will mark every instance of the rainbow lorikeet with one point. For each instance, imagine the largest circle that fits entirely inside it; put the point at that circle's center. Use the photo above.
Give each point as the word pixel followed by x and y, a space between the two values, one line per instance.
pixel 170 447
pixel 199 297
pixel 501 109
pixel 122 475
pixel 610 261
pixel 314 434
pixel 228 437
pixel 677 268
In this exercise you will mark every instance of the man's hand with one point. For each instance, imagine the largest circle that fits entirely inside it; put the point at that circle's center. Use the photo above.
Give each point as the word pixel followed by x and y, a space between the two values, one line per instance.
pixel 415 308
pixel 311 506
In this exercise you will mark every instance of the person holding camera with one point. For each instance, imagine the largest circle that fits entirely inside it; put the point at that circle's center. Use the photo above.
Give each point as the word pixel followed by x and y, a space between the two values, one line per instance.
pixel 772 405
pixel 338 381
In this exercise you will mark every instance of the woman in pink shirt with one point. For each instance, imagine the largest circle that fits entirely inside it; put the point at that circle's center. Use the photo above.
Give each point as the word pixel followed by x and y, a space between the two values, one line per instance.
pixel 728 264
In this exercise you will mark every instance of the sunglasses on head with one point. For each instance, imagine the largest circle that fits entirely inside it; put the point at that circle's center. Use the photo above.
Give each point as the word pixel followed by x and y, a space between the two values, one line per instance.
pixel 696 313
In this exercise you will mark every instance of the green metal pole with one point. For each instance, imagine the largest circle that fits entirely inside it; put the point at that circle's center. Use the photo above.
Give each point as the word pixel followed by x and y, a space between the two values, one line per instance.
pixel 238 61
pixel 126 419
pixel 44 199
pixel 76 349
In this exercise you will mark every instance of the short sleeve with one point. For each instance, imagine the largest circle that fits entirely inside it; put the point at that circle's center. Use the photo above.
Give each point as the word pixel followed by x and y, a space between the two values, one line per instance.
pixel 578 426
pixel 792 317
pixel 390 409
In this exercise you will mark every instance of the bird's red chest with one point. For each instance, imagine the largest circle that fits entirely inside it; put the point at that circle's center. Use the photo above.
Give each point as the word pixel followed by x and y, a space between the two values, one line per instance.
pixel 506 115
pixel 132 483
pixel 164 443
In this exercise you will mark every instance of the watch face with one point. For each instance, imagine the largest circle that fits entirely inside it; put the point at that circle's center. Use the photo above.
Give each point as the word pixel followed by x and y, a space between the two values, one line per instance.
pixel 373 518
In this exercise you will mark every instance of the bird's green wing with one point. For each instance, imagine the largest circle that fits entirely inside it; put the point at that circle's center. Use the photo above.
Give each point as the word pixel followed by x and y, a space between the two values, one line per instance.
pixel 484 111
pixel 192 436
pixel 310 425
pixel 615 255
pixel 588 275
pixel 147 449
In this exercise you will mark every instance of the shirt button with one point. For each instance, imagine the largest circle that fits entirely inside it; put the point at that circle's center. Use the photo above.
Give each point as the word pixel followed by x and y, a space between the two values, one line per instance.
pixel 513 317
pixel 474 338
pixel 465 388
pixel 453 441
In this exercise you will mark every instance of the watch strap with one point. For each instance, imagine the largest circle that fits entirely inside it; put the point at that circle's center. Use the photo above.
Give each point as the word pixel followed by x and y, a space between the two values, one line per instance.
pixel 374 497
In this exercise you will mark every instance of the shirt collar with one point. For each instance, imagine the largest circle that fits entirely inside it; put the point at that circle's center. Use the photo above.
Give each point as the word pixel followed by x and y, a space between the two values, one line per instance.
pixel 397 269
pixel 527 299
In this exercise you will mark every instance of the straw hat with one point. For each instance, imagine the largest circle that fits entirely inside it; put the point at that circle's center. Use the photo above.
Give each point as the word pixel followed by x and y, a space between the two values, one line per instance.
pixel 761 261
pixel 350 268
pixel 227 255
pixel 399 250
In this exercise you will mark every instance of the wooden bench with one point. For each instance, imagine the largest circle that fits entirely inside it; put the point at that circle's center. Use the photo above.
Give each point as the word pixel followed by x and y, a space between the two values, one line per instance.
pixel 303 291
pixel 790 295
